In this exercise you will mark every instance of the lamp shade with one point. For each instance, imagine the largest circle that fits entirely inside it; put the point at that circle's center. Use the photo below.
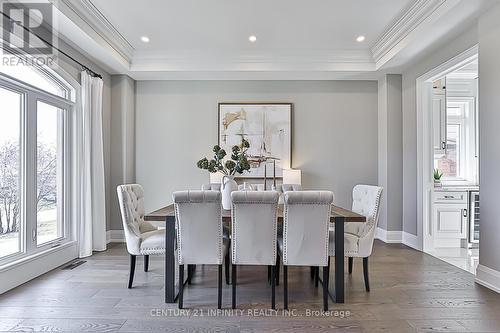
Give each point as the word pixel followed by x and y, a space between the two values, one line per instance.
pixel 292 176
pixel 216 178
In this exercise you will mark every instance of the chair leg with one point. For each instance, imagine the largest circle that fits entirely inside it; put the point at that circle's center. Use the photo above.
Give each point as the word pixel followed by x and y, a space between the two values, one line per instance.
pixel 269 274
pixel 181 285
pixel 326 280
pixel 219 289
pixel 190 273
pixel 316 276
pixel 365 273
pixel 350 259
pixel 146 263
pixel 273 287
pixel 285 287
pixel 278 270
pixel 312 272
pixel 233 276
pixel 226 267
pixel 132 270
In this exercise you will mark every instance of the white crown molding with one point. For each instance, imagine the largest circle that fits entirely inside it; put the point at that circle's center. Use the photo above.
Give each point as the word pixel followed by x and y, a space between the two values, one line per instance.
pixel 282 60
pixel 92 16
pixel 389 43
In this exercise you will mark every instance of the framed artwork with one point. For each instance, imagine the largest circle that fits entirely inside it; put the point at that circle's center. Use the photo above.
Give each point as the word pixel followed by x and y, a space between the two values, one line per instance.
pixel 268 129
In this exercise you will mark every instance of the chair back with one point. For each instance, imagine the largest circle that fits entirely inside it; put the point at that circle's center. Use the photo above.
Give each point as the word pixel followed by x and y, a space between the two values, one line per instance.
pixel 211 187
pixel 198 221
pixel 366 201
pixel 254 219
pixel 131 201
pixel 305 228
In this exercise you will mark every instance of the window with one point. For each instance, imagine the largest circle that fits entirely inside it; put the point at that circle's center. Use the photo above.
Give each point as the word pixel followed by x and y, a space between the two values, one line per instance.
pixel 10 172
pixel 35 127
pixel 459 161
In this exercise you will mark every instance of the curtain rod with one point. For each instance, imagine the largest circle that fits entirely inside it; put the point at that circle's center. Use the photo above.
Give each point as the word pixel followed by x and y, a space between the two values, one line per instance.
pixel 51 45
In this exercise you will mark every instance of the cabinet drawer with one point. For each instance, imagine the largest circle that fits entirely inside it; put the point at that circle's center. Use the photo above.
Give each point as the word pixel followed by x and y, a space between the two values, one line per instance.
pixel 450 197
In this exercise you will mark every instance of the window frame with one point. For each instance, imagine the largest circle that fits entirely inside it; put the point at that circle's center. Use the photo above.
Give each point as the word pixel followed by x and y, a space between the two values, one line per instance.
pixel 467 159
pixel 28 150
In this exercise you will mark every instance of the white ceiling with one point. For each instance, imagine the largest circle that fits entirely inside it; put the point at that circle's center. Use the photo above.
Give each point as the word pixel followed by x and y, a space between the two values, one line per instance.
pixel 224 25
pixel 296 39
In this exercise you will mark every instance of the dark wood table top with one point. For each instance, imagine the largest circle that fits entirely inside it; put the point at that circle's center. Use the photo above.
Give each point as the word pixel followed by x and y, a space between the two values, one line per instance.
pixel 162 213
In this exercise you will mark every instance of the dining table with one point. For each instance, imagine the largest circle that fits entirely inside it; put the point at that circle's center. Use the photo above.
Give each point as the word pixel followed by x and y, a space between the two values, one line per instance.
pixel 338 217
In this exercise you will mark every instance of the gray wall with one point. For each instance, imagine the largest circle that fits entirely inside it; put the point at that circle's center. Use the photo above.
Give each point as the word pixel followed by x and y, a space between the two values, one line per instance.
pixel 390 158
pixel 334 131
pixel 434 57
pixel 489 156
pixel 122 141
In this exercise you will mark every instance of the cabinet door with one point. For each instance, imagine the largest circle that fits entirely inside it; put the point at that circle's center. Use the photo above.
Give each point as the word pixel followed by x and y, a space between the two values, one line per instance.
pixel 439 123
pixel 450 221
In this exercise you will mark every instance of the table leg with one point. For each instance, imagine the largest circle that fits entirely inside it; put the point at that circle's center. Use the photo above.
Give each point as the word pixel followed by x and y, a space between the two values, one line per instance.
pixel 339 259
pixel 170 293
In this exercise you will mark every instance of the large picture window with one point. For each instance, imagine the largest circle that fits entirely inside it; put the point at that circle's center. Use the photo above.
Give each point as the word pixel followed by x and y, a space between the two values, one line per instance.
pixel 34 162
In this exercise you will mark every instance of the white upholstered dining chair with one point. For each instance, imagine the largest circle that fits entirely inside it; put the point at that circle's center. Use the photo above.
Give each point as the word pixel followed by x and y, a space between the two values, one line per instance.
pixel 198 219
pixel 305 241
pixel 253 240
pixel 359 237
pixel 142 237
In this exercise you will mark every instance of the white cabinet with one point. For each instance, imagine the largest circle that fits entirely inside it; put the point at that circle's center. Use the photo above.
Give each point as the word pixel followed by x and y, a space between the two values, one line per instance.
pixel 439 123
pixel 449 218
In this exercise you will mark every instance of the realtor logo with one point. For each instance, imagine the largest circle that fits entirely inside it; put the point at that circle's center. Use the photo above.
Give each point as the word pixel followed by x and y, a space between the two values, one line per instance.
pixel 26 27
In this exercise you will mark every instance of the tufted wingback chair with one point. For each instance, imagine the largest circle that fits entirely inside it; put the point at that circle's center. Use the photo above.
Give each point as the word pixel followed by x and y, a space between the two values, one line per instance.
pixel 254 222
pixel 359 237
pixel 198 217
pixel 305 234
pixel 142 238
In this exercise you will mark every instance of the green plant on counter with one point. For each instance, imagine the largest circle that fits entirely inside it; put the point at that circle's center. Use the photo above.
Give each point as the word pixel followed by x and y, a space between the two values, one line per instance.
pixel 437 175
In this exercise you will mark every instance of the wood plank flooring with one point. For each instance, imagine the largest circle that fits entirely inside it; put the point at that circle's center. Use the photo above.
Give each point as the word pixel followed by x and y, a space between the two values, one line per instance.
pixel 410 292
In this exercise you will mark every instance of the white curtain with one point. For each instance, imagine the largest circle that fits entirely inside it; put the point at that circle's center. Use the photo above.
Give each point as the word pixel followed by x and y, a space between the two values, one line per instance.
pixel 92 233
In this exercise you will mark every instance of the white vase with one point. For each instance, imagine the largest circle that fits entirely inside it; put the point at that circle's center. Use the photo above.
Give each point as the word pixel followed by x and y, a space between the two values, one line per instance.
pixel 228 185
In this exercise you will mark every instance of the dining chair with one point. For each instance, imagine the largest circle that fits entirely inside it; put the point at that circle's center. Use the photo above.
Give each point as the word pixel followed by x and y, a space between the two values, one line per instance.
pixel 198 221
pixel 226 230
pixel 141 237
pixel 358 237
pixel 306 218
pixel 253 239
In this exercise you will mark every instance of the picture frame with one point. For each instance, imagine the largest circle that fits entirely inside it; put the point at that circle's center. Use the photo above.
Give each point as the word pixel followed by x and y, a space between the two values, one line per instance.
pixel 268 129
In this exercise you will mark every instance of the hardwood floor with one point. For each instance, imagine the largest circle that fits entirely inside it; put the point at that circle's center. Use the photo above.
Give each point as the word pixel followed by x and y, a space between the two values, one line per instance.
pixel 410 291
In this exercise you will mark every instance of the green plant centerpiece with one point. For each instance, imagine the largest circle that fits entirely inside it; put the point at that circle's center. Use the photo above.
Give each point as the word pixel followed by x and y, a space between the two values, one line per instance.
pixel 238 163
pixel 229 167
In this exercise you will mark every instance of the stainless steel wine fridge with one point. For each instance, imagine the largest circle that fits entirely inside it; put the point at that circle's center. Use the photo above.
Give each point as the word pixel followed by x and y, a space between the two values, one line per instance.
pixel 474 218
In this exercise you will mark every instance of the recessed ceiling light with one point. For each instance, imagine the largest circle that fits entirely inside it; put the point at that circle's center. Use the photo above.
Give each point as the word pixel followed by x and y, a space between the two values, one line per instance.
pixel 252 39
pixel 145 39
pixel 360 39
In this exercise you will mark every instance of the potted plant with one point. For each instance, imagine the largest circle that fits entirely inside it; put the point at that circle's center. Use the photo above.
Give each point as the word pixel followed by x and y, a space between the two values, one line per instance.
pixel 237 163
pixel 437 177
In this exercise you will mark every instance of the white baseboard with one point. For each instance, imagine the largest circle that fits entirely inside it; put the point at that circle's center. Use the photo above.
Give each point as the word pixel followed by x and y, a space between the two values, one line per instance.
pixel 389 236
pixel 115 236
pixel 411 240
pixel 488 277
